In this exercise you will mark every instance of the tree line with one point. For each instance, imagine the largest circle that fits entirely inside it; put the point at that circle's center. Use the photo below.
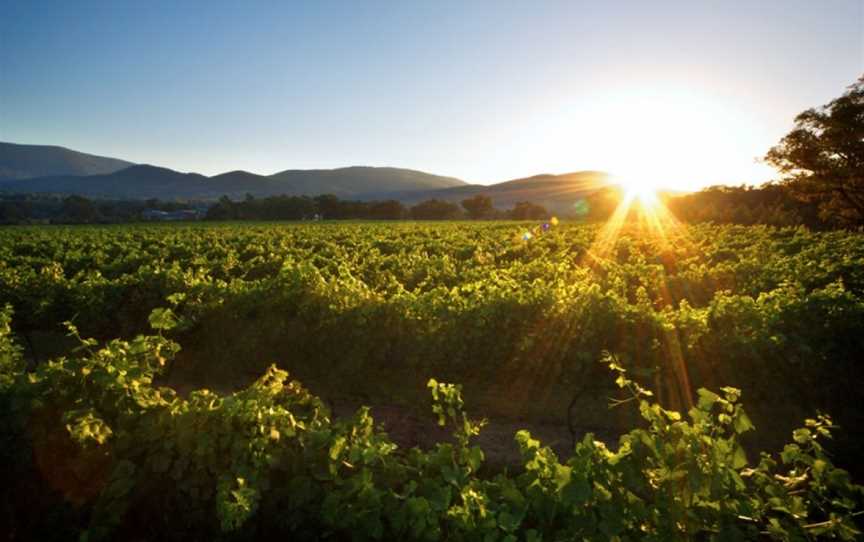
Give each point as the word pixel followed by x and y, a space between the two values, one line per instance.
pixel 330 207
pixel 773 204
pixel 52 209
pixel 55 209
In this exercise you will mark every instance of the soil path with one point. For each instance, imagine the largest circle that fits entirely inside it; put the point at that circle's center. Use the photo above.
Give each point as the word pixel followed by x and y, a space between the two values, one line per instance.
pixel 409 428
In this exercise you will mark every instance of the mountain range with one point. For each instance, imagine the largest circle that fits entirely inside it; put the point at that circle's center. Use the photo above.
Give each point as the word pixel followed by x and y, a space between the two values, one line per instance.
pixel 57 170
pixel 557 193
pixel 27 161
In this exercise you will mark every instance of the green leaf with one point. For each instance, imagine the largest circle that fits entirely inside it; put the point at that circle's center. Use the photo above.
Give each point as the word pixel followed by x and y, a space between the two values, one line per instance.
pixel 742 423
pixel 336 448
pixel 474 458
pixel 707 399
pixel 162 319
pixel 562 476
pixel 577 492
pixel 739 458
pixel 802 435
pixel 508 522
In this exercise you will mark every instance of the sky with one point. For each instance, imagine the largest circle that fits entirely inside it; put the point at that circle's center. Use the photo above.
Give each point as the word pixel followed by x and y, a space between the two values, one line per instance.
pixel 682 93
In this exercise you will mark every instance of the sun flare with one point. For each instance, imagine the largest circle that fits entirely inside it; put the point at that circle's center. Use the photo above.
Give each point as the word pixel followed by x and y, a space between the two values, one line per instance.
pixel 639 191
pixel 641 212
pixel 660 135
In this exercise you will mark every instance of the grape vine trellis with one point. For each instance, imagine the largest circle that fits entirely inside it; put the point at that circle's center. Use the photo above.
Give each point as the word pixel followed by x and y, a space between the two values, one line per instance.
pixel 765 308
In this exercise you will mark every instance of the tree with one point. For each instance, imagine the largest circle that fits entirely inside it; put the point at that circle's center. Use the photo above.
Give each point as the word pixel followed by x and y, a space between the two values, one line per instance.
pixel 386 210
pixel 600 204
pixel 329 206
pixel 822 158
pixel 291 207
pixel 78 209
pixel 435 209
pixel 769 204
pixel 525 210
pixel 478 207
pixel 224 209
pixel 13 212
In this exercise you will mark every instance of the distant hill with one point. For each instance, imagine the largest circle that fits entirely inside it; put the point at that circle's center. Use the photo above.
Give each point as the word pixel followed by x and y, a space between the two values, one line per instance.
pixel 558 193
pixel 146 181
pixel 239 183
pixel 28 161
pixel 359 180
pixel 135 182
pixel 63 171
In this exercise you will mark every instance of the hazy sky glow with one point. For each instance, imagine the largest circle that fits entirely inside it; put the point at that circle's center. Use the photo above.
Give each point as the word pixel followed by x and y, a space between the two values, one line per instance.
pixel 486 91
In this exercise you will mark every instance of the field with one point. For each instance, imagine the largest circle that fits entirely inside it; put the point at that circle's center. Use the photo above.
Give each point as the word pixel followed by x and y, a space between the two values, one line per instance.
pixel 369 314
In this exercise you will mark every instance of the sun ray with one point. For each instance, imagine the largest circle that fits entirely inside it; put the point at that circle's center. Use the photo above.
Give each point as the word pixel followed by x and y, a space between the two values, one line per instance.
pixel 642 211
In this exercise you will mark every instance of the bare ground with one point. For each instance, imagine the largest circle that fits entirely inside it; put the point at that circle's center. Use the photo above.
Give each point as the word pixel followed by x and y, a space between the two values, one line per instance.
pixel 409 428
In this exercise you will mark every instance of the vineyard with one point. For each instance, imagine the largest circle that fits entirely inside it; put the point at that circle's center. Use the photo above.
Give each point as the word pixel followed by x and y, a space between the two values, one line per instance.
pixel 145 390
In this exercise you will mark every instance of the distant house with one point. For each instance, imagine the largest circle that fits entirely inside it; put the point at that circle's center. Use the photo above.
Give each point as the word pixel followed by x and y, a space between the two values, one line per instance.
pixel 184 214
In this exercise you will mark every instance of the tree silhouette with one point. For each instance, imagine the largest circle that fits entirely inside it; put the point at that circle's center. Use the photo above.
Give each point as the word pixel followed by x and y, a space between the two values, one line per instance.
pixel 387 210
pixel 822 158
pixel 434 209
pixel 478 207
pixel 525 210
pixel 79 209
pixel 224 209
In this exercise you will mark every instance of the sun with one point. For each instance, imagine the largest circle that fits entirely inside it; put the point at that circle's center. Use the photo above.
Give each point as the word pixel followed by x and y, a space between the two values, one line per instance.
pixel 636 190
pixel 660 135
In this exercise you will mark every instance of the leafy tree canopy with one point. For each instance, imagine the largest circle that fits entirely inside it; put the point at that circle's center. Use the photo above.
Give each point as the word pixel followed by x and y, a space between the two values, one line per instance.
pixel 435 209
pixel 525 210
pixel 479 206
pixel 822 158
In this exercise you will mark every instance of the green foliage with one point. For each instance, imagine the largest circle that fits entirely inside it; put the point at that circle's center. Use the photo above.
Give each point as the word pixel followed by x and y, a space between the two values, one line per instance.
pixel 269 459
pixel 821 157
pixel 386 306
pixel 478 207
pixel 770 311
pixel 771 204
pixel 434 209
pixel 11 360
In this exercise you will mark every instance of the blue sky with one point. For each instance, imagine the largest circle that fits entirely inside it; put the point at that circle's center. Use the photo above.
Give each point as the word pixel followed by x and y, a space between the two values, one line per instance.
pixel 485 91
